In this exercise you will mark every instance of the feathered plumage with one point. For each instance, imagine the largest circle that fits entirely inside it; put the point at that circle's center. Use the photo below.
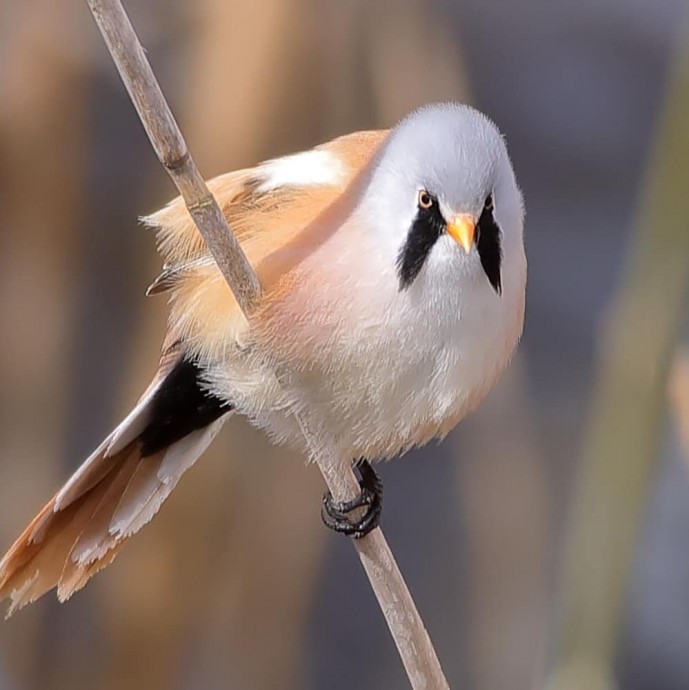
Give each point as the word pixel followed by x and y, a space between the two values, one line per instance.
pixel 387 353
pixel 117 490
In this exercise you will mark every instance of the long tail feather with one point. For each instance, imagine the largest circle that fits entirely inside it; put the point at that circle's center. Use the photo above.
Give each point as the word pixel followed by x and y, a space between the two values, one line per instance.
pixel 116 491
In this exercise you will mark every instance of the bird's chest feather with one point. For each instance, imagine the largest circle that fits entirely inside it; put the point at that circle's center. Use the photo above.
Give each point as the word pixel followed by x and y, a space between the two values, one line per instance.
pixel 384 368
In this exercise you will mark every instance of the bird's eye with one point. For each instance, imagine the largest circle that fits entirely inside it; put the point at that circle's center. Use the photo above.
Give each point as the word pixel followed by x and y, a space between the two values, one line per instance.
pixel 488 205
pixel 426 201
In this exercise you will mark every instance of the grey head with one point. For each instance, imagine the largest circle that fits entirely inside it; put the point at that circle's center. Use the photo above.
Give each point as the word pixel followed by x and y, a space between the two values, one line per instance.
pixel 444 185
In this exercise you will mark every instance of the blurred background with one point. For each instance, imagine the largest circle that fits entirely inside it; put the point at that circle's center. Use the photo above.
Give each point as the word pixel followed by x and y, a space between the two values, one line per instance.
pixel 546 541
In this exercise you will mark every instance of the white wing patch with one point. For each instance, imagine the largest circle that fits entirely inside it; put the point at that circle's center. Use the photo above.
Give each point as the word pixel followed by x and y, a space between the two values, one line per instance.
pixel 309 168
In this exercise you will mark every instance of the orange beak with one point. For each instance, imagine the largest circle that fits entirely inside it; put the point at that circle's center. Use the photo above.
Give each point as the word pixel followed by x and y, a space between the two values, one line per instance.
pixel 462 229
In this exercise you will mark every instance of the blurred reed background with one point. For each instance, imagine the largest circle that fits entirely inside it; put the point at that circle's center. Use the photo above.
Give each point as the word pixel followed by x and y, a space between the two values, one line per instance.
pixel 546 541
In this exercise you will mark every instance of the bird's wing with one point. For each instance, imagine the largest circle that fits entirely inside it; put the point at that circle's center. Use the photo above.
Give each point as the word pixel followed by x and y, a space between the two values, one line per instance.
pixel 268 207
pixel 122 484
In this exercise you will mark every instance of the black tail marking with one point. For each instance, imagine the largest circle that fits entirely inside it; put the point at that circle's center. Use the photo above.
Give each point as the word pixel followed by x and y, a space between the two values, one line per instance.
pixel 181 405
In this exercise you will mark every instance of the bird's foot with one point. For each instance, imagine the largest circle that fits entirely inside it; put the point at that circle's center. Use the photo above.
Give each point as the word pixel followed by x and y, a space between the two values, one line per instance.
pixel 336 515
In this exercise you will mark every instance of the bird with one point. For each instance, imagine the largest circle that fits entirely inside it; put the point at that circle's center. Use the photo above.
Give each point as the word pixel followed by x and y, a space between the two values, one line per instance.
pixel 393 271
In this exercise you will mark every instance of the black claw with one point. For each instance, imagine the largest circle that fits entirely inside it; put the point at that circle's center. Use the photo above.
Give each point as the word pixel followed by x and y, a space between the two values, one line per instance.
pixel 336 515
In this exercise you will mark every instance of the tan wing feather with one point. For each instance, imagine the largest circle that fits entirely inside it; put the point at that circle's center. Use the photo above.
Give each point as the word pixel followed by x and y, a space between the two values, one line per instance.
pixel 275 228
pixel 258 214
pixel 115 492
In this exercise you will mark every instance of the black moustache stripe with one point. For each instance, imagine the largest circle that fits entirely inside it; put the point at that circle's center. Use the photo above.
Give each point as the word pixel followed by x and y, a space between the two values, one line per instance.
pixel 489 245
pixel 425 231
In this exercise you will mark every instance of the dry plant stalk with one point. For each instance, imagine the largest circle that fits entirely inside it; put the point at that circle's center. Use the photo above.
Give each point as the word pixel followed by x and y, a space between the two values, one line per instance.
pixel 679 396
pixel 405 624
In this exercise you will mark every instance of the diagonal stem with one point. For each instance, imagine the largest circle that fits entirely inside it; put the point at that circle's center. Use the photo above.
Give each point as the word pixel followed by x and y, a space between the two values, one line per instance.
pixel 405 624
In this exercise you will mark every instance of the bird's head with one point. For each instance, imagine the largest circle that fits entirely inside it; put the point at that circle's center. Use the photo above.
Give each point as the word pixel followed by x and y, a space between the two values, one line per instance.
pixel 442 194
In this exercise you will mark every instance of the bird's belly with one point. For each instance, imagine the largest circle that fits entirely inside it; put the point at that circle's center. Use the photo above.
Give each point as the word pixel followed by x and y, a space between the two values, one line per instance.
pixel 380 393
pixel 398 399
pixel 379 370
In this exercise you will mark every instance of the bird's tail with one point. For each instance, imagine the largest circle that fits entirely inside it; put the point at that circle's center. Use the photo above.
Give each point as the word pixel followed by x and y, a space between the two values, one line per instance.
pixel 118 489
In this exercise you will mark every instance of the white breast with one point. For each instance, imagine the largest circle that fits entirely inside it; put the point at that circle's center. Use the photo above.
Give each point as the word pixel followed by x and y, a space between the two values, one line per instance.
pixel 383 369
